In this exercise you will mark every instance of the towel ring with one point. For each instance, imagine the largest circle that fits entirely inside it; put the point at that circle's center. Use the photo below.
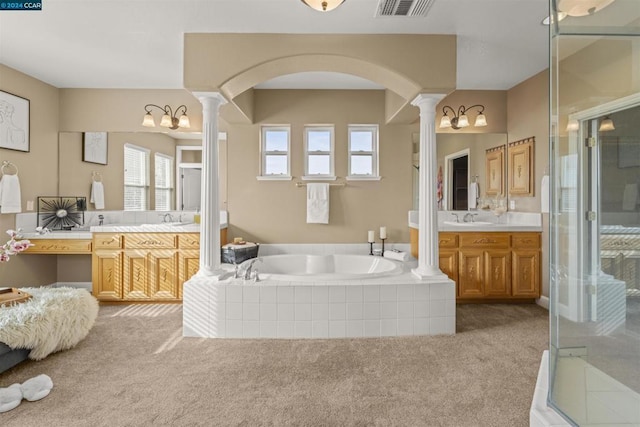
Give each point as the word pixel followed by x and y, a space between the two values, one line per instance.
pixel 96 176
pixel 6 166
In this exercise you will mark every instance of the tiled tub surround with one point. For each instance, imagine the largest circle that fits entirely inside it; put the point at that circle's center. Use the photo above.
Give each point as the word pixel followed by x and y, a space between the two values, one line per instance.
pixel 398 305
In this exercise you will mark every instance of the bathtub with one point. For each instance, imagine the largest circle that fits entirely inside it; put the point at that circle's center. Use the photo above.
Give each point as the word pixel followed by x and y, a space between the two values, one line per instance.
pixel 323 268
pixel 319 296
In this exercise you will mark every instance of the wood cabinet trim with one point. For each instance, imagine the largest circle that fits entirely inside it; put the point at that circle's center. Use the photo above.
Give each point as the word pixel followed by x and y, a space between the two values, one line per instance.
pixel 60 246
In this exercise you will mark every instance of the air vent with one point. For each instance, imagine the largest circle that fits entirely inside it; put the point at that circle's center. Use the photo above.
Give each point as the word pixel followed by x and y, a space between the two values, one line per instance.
pixel 403 7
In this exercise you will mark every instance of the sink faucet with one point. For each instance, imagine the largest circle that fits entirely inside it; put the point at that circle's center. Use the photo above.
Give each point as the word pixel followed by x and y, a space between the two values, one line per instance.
pixel 100 219
pixel 469 217
pixel 167 215
pixel 456 216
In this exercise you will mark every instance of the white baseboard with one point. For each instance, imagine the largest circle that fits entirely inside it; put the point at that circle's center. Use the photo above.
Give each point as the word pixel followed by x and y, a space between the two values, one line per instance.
pixel 543 302
pixel 81 285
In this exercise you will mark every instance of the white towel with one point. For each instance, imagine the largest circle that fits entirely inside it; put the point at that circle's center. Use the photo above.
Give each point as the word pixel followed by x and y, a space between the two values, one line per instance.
pixel 630 197
pixel 472 195
pixel 544 194
pixel 97 194
pixel 318 203
pixel 10 200
pixel 397 255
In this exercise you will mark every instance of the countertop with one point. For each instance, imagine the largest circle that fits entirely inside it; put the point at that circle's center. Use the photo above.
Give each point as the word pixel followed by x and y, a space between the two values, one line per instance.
pixel 118 228
pixel 510 222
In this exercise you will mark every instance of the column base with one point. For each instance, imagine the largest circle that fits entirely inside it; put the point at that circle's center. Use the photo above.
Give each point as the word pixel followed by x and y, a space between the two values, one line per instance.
pixel 213 274
pixel 429 274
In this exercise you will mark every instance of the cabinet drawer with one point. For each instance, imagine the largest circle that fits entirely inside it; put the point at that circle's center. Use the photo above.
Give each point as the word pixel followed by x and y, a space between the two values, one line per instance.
pixel 447 240
pixel 484 240
pixel 525 240
pixel 189 241
pixel 150 241
pixel 60 246
pixel 107 240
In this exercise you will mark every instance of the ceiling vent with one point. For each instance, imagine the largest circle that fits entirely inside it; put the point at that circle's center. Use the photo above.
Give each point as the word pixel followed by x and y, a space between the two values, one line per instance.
pixel 403 7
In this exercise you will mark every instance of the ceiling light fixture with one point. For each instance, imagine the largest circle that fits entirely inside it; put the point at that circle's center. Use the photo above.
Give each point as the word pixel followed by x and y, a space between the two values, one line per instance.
pixel 323 5
pixel 606 125
pixel 582 7
pixel 460 120
pixel 169 119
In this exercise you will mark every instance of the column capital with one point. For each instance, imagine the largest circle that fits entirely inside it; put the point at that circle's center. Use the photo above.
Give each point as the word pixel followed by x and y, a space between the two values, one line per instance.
pixel 204 96
pixel 427 100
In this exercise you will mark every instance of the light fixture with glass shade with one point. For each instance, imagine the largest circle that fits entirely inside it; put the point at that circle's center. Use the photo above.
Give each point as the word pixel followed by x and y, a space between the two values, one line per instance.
pixel 323 5
pixel 573 125
pixel 606 125
pixel 169 119
pixel 459 119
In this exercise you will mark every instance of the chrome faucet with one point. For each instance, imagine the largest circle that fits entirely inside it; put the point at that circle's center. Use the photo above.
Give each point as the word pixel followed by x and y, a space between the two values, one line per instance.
pixel 100 219
pixel 246 275
pixel 455 215
pixel 167 215
pixel 469 217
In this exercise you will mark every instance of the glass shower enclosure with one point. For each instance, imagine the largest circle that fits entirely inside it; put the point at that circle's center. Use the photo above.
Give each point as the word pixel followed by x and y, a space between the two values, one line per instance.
pixel 594 365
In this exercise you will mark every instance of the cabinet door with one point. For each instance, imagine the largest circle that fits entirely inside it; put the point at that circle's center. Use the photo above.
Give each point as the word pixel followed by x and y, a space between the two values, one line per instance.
pixel 163 269
pixel 135 277
pixel 525 280
pixel 106 275
pixel 449 263
pixel 497 273
pixel 471 274
pixel 188 265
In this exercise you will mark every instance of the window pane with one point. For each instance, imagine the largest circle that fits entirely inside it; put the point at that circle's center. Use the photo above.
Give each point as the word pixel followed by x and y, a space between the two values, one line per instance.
pixel 163 199
pixel 361 141
pixel 163 171
pixel 276 140
pixel 135 198
pixel 361 165
pixel 135 167
pixel 319 165
pixel 275 165
pixel 319 140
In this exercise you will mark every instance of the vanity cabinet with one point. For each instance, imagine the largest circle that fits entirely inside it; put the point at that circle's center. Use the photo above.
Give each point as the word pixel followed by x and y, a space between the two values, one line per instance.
pixel 492 266
pixel 143 266
pixel 60 247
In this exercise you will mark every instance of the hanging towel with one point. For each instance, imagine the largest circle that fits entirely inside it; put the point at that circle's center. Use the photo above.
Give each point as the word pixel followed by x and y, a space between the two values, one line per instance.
pixel 472 195
pixel 318 203
pixel 97 194
pixel 10 194
pixel 630 197
pixel 544 194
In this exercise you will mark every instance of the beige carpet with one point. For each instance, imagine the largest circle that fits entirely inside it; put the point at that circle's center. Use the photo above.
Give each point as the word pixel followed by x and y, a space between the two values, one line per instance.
pixel 135 369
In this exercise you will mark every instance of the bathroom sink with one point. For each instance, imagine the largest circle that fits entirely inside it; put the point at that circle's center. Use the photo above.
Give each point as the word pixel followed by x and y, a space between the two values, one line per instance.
pixel 468 224
pixel 165 224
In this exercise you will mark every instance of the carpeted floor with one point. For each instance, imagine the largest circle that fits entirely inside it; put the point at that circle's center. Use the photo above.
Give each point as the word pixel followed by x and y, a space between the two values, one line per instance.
pixel 135 369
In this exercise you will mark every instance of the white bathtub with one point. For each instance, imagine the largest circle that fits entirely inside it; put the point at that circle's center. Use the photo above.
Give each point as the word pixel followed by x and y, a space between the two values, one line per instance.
pixel 323 267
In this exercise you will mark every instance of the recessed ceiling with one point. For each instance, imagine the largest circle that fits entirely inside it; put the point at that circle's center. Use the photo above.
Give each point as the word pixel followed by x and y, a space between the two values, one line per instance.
pixel 138 44
pixel 318 80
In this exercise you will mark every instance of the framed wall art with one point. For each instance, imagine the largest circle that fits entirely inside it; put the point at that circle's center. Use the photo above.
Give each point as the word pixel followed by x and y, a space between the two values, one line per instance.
pixel 94 147
pixel 494 177
pixel 521 167
pixel 14 122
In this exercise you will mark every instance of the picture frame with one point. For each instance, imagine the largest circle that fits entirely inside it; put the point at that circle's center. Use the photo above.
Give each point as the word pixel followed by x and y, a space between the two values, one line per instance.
pixel 520 170
pixel 494 179
pixel 94 147
pixel 14 122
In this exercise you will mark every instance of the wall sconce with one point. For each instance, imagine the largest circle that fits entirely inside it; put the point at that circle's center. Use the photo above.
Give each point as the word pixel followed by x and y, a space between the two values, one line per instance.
pixel 606 125
pixel 323 5
pixel 460 120
pixel 573 125
pixel 169 119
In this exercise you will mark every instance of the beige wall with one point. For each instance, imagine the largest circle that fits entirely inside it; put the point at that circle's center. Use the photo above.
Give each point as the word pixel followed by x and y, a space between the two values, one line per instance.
pixel 38 171
pixel 275 211
pixel 75 175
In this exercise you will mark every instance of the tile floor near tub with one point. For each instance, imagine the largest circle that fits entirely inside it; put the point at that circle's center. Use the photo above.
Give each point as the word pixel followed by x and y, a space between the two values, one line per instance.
pixel 398 306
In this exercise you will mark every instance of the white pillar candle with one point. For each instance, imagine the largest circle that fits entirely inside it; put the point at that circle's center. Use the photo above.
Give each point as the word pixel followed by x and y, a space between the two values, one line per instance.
pixel 371 237
pixel 383 232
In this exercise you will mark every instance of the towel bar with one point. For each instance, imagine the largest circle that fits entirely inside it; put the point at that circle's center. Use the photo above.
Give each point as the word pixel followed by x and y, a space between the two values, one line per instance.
pixel 304 184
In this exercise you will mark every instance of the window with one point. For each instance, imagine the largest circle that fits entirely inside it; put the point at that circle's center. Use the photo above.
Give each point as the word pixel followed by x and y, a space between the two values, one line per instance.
pixel 276 161
pixel 136 178
pixel 319 159
pixel 363 152
pixel 164 182
pixel 569 183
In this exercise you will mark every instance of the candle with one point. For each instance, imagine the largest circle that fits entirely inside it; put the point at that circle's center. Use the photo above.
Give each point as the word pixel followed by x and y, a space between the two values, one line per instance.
pixel 383 232
pixel 371 238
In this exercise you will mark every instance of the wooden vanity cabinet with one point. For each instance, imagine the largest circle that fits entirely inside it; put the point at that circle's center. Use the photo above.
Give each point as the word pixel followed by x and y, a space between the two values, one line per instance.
pixel 143 266
pixel 492 266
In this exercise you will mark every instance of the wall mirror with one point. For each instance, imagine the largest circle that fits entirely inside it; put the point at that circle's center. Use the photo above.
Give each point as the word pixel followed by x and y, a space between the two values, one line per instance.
pixel 462 159
pixel 75 175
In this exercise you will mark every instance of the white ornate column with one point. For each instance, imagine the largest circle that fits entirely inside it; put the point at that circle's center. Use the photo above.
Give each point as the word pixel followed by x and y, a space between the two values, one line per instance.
pixel 210 192
pixel 428 262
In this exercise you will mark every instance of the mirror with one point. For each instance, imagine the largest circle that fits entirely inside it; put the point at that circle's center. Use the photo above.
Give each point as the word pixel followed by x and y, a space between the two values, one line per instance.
pixel 462 159
pixel 75 175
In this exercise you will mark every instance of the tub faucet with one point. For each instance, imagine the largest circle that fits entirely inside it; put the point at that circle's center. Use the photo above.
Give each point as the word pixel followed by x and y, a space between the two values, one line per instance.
pixel 247 270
